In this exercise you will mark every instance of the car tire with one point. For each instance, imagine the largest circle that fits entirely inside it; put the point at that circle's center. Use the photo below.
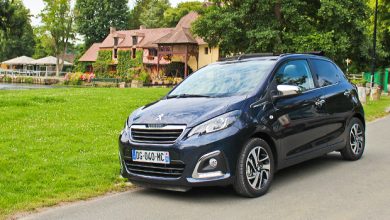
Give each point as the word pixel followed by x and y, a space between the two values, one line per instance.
pixel 254 180
pixel 355 140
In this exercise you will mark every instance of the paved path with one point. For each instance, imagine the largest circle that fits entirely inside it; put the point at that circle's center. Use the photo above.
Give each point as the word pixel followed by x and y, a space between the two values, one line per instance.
pixel 324 188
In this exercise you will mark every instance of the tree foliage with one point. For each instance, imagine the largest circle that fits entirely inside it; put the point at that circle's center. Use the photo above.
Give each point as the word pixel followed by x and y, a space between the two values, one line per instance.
pixel 16 33
pixel 57 18
pixel 336 27
pixel 153 13
pixel 95 17
pixel 383 31
pixel 135 13
pixel 44 44
pixel 173 15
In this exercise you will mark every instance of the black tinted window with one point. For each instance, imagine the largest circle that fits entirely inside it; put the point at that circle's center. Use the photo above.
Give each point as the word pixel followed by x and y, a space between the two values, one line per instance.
pixel 296 73
pixel 327 73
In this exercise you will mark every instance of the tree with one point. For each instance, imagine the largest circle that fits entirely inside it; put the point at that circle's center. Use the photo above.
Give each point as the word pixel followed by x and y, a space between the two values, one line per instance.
pixel 44 43
pixel 16 33
pixel 173 15
pixel 383 51
pixel 57 18
pixel 336 27
pixel 95 17
pixel 135 13
pixel 153 13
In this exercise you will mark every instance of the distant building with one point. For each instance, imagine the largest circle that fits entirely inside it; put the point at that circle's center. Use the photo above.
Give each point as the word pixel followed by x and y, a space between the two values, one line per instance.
pixel 160 46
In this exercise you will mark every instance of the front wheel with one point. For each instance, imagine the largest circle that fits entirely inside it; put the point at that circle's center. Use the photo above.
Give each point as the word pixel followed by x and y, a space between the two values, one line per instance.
pixel 355 141
pixel 255 169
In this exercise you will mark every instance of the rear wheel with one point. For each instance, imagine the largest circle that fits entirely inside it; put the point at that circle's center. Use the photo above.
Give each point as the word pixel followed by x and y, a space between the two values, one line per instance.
pixel 355 141
pixel 255 169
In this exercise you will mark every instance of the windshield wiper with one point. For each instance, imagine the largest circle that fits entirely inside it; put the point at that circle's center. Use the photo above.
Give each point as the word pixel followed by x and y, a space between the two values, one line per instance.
pixel 188 96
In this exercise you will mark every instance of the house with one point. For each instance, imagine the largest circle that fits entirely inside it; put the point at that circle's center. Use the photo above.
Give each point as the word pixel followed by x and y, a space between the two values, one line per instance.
pixel 160 47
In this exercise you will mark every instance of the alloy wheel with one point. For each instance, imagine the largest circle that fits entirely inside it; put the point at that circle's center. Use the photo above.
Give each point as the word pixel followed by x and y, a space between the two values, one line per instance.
pixel 258 168
pixel 356 139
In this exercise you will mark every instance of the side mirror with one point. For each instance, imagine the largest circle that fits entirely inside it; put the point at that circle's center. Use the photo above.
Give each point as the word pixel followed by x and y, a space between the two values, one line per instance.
pixel 288 90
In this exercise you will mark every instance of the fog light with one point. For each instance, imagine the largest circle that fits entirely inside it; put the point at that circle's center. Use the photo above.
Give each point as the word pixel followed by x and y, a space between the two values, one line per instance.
pixel 213 162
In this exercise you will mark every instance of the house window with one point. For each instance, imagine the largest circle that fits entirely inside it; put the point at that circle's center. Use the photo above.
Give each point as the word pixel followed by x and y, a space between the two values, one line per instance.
pixel 115 53
pixel 153 52
pixel 206 50
pixel 135 40
pixel 133 53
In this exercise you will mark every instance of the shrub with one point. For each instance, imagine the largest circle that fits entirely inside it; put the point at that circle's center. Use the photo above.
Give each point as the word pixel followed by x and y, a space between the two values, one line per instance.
pixel 7 79
pixel 143 76
pixel 28 80
pixel 78 78
pixel 127 67
pixel 102 64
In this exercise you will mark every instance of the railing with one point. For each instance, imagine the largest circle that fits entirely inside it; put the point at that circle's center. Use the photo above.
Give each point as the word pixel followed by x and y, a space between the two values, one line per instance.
pixel 355 76
pixel 36 73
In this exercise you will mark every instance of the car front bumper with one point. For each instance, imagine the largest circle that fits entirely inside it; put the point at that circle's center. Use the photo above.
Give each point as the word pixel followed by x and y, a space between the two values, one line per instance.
pixel 194 153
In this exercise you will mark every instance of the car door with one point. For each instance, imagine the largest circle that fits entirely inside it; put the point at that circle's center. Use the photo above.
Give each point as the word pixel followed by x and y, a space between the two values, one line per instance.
pixel 336 96
pixel 298 119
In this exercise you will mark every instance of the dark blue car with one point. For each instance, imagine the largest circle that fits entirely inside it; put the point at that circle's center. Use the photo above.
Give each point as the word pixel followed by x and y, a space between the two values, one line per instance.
pixel 236 122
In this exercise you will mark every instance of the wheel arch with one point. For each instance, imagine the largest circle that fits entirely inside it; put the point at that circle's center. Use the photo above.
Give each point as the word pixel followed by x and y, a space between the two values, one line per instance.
pixel 360 117
pixel 271 143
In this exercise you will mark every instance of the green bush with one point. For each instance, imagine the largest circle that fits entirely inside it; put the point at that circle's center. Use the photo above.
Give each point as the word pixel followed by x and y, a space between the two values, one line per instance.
pixel 28 80
pixel 143 76
pixel 102 64
pixel 128 67
pixel 7 79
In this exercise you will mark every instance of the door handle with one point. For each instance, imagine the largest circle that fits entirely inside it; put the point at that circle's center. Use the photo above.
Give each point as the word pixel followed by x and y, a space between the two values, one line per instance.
pixel 347 93
pixel 319 102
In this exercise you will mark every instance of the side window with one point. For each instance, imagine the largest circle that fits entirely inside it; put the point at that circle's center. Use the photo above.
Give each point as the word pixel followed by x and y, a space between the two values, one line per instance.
pixel 327 73
pixel 296 73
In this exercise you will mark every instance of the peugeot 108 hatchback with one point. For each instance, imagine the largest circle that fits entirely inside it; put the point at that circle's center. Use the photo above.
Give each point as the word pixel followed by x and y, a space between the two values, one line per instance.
pixel 236 122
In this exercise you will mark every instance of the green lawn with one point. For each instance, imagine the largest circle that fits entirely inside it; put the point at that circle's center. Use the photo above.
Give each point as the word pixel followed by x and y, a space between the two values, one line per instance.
pixel 374 110
pixel 61 144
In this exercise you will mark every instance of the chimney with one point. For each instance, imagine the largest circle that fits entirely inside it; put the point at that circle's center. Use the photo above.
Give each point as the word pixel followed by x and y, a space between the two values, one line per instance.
pixel 112 30
pixel 142 27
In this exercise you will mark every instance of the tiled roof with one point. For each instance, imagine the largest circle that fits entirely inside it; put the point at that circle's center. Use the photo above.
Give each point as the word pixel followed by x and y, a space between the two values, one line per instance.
pixel 91 54
pixel 146 37
pixel 182 33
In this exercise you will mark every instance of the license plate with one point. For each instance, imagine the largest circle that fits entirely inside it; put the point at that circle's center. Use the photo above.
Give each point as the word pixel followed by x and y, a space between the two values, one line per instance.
pixel 150 156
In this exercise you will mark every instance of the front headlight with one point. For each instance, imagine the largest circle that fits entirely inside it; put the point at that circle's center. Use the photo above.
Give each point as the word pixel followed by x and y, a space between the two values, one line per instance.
pixel 216 124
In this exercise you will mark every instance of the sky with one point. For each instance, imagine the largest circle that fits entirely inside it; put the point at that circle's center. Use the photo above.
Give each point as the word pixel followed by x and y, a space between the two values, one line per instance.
pixel 36 6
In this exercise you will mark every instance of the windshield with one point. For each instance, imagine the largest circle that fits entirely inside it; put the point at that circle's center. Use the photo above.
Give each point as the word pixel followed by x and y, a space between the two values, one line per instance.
pixel 224 79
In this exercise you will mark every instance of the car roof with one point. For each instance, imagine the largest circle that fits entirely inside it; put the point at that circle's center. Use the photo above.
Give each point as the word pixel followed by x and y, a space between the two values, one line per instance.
pixel 270 56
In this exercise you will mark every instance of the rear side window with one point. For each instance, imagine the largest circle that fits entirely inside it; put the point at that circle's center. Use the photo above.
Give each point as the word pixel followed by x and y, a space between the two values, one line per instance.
pixel 327 73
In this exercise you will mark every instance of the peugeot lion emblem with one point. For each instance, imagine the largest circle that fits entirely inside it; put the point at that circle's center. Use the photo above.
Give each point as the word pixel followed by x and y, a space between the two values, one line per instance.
pixel 159 117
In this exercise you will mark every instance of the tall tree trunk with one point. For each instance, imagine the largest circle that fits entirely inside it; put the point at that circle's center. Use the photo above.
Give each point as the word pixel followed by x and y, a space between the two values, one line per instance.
pixel 279 18
pixel 57 66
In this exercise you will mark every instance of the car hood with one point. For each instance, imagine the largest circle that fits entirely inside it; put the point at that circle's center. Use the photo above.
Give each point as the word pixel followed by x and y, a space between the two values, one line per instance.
pixel 186 111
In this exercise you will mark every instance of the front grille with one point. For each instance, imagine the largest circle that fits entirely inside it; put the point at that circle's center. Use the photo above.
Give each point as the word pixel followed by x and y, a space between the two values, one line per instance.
pixel 153 134
pixel 173 170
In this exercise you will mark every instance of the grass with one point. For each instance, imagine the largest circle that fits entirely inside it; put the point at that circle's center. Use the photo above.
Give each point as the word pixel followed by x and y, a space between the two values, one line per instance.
pixel 60 144
pixel 374 110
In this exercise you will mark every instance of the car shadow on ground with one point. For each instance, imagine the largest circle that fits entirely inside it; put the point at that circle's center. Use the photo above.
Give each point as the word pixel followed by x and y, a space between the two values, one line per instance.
pixel 281 179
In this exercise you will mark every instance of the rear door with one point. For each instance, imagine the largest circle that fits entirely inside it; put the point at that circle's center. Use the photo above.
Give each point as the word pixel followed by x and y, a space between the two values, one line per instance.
pixel 336 98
